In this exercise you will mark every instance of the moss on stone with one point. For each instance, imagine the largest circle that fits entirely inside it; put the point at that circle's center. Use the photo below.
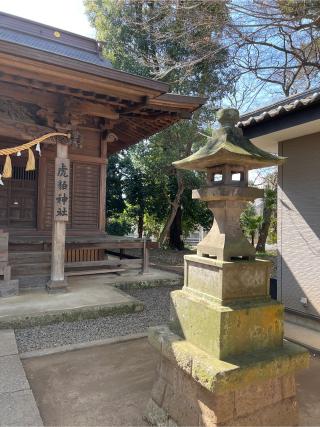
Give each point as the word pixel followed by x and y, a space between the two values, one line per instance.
pixel 226 330
pixel 220 376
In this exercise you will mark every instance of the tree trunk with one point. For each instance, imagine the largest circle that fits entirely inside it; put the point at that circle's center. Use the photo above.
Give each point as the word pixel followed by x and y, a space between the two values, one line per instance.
pixel 175 241
pixel 174 208
pixel 140 226
pixel 264 229
pixel 252 238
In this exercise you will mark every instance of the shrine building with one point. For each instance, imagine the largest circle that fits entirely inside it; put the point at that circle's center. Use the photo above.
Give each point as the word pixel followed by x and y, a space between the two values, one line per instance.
pixel 53 81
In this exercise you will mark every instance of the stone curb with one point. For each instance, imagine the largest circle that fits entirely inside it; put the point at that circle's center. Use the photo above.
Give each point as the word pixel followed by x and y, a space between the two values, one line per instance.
pixel 82 345
pixel 90 312
pixel 71 315
pixel 17 404
pixel 145 284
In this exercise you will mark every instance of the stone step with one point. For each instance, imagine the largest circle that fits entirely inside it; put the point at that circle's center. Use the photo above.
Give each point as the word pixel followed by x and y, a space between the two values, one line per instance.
pixel 33 282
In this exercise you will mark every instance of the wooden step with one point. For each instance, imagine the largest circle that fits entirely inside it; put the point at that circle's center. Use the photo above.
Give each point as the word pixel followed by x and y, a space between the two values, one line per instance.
pixel 29 257
pixel 83 264
pixel 96 271
pixel 30 269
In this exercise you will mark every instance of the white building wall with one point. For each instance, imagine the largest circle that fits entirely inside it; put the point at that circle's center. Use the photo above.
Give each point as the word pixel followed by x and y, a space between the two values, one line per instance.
pixel 299 224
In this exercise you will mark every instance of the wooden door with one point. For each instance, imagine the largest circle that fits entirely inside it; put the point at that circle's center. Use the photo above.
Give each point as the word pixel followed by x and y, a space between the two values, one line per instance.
pixel 18 197
pixel 85 196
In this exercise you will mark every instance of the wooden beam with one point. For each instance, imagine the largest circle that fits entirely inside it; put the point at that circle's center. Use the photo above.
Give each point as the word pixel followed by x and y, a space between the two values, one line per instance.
pixel 21 130
pixel 61 65
pixel 51 101
pixel 92 109
pixel 30 69
pixel 14 84
pixel 136 107
pixel 79 158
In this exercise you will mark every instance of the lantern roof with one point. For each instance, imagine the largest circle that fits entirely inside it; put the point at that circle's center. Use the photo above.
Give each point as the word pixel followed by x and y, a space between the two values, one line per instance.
pixel 227 145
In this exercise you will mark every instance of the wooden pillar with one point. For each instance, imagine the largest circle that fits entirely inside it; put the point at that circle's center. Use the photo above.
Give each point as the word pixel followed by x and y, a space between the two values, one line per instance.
pixel 145 257
pixel 58 282
pixel 103 179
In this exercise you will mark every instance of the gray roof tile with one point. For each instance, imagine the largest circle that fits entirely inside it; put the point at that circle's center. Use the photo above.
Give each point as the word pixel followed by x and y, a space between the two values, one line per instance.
pixel 81 51
pixel 284 106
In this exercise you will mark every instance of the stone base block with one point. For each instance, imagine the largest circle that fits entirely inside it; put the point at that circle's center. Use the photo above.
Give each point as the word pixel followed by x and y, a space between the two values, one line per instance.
pixel 221 376
pixel 227 281
pixel 9 288
pixel 225 331
pixel 56 286
pixel 178 400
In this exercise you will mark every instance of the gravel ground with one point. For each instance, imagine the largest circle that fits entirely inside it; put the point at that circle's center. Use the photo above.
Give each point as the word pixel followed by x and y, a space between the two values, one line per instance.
pixel 156 312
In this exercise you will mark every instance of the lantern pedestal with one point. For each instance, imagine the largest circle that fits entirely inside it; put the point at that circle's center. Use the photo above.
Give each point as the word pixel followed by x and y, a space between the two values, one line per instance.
pixel 222 356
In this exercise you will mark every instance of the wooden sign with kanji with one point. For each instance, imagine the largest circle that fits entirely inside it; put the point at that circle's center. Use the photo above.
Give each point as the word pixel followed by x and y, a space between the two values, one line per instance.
pixel 61 191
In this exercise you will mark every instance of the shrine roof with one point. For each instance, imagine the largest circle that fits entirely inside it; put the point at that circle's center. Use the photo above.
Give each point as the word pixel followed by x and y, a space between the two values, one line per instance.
pixel 20 31
pixel 41 65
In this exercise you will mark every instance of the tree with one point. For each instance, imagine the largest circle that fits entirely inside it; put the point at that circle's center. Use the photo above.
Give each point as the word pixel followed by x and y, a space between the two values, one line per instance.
pixel 269 209
pixel 164 40
pixel 250 222
pixel 135 188
pixel 116 222
pixel 114 198
pixel 168 191
pixel 271 44
pixel 276 41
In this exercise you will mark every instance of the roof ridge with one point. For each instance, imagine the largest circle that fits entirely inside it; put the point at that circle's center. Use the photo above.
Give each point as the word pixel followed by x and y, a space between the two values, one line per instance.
pixel 40 24
pixel 280 103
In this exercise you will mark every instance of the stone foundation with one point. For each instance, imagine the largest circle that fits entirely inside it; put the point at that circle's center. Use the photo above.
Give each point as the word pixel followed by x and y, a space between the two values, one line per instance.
pixel 177 399
pixel 57 286
pixel 9 288
pixel 223 361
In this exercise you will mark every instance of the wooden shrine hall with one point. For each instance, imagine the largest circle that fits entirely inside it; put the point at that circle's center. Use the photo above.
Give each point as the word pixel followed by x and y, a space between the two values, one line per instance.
pixel 53 81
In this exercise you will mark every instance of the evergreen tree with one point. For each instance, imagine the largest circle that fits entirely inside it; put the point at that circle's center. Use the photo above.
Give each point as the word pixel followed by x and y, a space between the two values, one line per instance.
pixel 164 40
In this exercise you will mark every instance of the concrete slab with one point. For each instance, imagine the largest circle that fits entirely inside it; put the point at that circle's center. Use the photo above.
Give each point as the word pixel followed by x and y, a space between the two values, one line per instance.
pixel 308 391
pixel 102 386
pixel 81 345
pixel 12 376
pixel 8 343
pixel 302 335
pixel 111 384
pixel 88 297
pixel 19 409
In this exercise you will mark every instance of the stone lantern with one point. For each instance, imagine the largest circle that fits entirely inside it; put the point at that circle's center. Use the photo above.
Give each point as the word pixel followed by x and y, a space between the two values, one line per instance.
pixel 223 360
pixel 227 158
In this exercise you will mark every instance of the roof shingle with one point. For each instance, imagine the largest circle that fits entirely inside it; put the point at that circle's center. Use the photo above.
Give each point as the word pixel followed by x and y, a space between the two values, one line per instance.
pixel 280 108
pixel 48 39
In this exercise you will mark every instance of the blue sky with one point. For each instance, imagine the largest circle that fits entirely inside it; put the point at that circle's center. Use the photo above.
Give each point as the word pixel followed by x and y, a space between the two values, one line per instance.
pixel 64 14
